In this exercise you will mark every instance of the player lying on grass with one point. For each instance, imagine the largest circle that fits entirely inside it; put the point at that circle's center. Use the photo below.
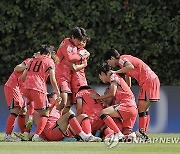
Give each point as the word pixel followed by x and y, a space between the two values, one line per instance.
pixel 57 125
pixel 91 107
pixel 125 109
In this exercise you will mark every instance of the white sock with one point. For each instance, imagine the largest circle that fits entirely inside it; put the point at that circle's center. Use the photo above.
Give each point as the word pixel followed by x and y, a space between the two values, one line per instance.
pixel 7 135
pixel 120 134
pixel 30 117
pixel 83 135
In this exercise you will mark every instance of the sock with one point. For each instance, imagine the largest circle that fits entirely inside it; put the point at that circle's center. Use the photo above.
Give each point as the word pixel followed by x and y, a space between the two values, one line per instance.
pixel 142 120
pixel 10 123
pixel 70 134
pixel 147 122
pixel 21 123
pixel 41 125
pixel 86 125
pixel 118 123
pixel 83 135
pixel 75 124
pixel 108 131
pixel 31 108
pixel 110 123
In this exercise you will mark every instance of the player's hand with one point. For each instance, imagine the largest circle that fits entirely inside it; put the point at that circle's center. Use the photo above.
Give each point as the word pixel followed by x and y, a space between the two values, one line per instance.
pixel 58 100
pixel 85 62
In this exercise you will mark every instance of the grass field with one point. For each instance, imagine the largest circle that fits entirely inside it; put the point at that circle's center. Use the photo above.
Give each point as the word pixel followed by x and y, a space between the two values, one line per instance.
pixel 158 146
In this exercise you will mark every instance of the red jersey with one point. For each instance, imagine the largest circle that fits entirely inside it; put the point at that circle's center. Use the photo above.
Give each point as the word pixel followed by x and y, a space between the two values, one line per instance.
pixel 67 52
pixel 79 78
pixel 54 114
pixel 124 95
pixel 141 72
pixel 90 106
pixel 38 72
pixel 14 79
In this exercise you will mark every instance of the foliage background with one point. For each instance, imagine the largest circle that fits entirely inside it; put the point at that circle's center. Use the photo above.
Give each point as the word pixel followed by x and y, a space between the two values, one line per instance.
pixel 148 29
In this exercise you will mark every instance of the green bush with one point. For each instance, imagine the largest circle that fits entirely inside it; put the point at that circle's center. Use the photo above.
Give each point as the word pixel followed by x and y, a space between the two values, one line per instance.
pixel 146 29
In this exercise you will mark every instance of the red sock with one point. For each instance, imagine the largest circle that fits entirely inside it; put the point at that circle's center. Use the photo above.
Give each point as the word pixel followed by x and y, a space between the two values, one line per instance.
pixel 111 124
pixel 142 122
pixel 10 123
pixel 86 125
pixel 21 123
pixel 147 122
pixel 70 134
pixel 75 125
pixel 31 108
pixel 41 125
pixel 108 131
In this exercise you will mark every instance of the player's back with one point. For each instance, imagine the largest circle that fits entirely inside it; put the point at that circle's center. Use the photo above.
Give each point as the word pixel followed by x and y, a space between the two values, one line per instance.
pixel 90 106
pixel 38 72
pixel 124 95
pixel 141 72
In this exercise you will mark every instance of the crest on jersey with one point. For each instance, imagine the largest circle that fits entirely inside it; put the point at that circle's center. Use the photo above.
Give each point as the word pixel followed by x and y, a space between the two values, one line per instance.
pixel 69 49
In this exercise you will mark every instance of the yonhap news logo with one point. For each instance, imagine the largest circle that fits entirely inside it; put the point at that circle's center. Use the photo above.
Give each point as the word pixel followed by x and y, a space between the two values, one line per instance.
pixel 110 141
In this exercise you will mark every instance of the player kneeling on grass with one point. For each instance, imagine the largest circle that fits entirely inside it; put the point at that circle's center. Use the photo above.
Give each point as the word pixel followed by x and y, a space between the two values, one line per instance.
pixel 57 126
pixel 125 109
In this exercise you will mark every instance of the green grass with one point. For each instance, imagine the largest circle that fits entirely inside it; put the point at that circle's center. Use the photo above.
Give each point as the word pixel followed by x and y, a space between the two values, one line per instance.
pixel 91 148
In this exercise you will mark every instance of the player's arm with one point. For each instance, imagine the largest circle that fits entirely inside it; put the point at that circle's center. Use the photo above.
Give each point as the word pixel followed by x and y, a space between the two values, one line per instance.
pixel 67 52
pixel 54 82
pixel 76 68
pixel 111 93
pixel 21 67
pixel 128 80
pixel 108 101
pixel 79 106
pixel 127 67
pixel 23 76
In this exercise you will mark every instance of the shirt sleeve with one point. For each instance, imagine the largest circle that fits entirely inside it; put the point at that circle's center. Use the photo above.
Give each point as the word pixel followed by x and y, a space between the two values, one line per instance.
pixel 68 53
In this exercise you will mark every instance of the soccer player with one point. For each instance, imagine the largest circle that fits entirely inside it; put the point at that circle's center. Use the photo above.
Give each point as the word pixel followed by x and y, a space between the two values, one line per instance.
pixel 148 81
pixel 35 76
pixel 78 78
pixel 15 101
pixel 91 107
pixel 67 52
pixel 125 109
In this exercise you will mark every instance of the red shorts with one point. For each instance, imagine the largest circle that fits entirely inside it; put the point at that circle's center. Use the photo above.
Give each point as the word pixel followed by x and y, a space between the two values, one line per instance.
pixel 40 99
pixel 65 86
pixel 96 124
pixel 150 91
pixel 52 133
pixel 13 97
pixel 128 115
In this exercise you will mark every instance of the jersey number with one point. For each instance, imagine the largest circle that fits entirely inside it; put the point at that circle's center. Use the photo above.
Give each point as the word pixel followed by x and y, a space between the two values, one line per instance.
pixel 36 67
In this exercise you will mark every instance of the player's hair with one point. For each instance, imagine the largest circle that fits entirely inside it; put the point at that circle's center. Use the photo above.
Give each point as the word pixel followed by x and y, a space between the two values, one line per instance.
pixel 54 57
pixel 105 68
pixel 80 34
pixel 111 53
pixel 45 49
pixel 84 88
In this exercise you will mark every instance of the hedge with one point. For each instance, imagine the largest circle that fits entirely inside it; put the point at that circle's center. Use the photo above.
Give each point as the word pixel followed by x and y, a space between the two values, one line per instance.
pixel 148 29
